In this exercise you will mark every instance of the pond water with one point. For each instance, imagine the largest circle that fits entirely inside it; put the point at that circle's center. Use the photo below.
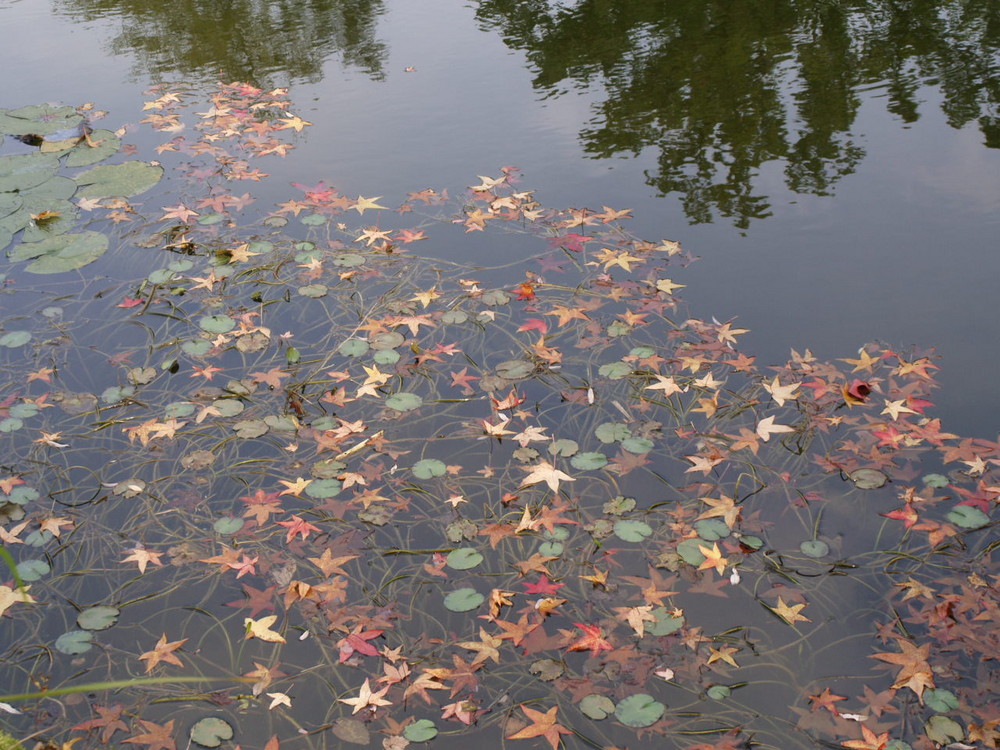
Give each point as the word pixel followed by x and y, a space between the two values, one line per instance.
pixel 864 136
pixel 835 169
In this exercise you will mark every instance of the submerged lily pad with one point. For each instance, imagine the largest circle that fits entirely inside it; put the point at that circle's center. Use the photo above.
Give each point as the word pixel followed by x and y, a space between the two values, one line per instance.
pixel 429 467
pixel 211 731
pixel 118 180
pixel 597 707
pixel 422 730
pixel 97 618
pixel 967 517
pixel 632 531
pixel 463 600
pixel 639 710
pixel 404 401
pixel 815 548
pixel 74 642
pixel 66 252
pixel 15 339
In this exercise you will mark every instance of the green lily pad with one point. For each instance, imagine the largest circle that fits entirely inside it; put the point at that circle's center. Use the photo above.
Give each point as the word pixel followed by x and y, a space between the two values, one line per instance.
pixel 589 461
pixel 386 357
pixel 211 731
pixel 32 570
pixel 596 706
pixel 815 548
pixel 15 339
pixel 943 730
pixel 216 324
pixel 313 220
pixel 280 423
pixel 614 370
pixel 868 479
pixel 320 489
pixel 940 700
pixel 515 369
pixel 118 180
pixel 250 428
pixel 115 393
pixel 83 154
pixel 464 558
pixel 196 347
pixel 429 467
pixel 352 347
pixel 23 171
pixel 422 730
pixel 227 525
pixel 718 692
pixel 10 424
pixel 967 517
pixel 39 119
pixel 463 600
pixel 404 401
pixel 665 623
pixel 638 445
pixel 74 642
pixel 386 340
pixel 564 447
pixel 689 552
pixel 547 670
pixel 612 432
pixel 935 480
pixel 712 529
pixel 639 710
pixel 348 260
pixel 22 495
pixel 65 252
pixel 632 531
pixel 97 618
pixel 495 298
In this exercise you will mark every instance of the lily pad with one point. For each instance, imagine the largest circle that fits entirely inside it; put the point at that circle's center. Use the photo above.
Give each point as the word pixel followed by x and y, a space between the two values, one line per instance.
pixel 83 154
pixel 211 731
pixel 718 692
pixel 118 180
pixel 227 525
pixel 547 670
pixel 940 700
pixel 815 548
pixel 74 642
pixel 351 731
pixel 422 730
pixel 665 623
pixel 967 517
pixel 216 324
pixel 464 558
pixel 639 710
pixel 352 347
pixel 614 370
pixel 32 570
pixel 597 707
pixel 638 445
pixel 868 479
pixel 97 618
pixel 690 552
pixel 22 171
pixel 250 428
pixel 15 339
pixel 65 252
pixel 429 467
pixel 515 369
pixel 39 119
pixel 632 531
pixel 612 432
pixel 463 600
pixel 712 529
pixel 589 461
pixel 320 489
pixel 943 730
pixel 404 401
pixel 564 447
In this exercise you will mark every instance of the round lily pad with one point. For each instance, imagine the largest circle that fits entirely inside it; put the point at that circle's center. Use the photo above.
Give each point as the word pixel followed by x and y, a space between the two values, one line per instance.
pixel 868 479
pixel 217 324
pixel 612 432
pixel 639 710
pixel 74 642
pixel 815 548
pixel 227 525
pixel 712 529
pixel 563 447
pixel 718 692
pixel 118 180
pixel 632 531
pixel 464 558
pixel 463 600
pixel 940 700
pixel 404 401
pixel 638 445
pixel 515 369
pixel 597 707
pixel 84 154
pixel 690 552
pixel 97 618
pixel 320 489
pixel 15 339
pixel 429 467
pixel 352 347
pixel 935 480
pixel 665 623
pixel 614 370
pixel 211 731
pixel 422 730
pixel 967 517
pixel 32 570
pixel 65 252
pixel 589 461
pixel 250 428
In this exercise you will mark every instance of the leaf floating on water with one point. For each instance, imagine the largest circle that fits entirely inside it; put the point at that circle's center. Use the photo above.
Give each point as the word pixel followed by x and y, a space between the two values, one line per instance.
pixel 118 180
pixel 211 731
pixel 66 252
pixel 868 479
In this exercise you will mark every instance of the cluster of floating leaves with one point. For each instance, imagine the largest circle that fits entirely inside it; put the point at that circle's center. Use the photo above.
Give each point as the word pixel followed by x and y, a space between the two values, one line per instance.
pixel 298 483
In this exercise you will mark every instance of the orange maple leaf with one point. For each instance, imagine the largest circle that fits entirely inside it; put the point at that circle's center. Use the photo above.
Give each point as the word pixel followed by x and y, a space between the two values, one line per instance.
pixel 543 724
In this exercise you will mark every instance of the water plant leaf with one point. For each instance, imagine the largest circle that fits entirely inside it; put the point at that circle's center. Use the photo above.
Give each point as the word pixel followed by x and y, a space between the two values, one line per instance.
pixel 15 339
pixel 967 517
pixel 74 642
pixel 66 252
pixel 868 479
pixel 21 172
pixel 718 692
pixel 97 618
pixel 943 730
pixel 665 622
pixel 33 569
pixel 464 558
pixel 638 445
pixel 421 730
pixel 612 432
pixel 639 710
pixel 118 180
pixel 629 530
pixel 216 324
pixel 83 154
pixel 352 347
pixel 815 548
pixel 351 730
pixel 427 468
pixel 589 461
pixel 463 599
pixel 712 529
pixel 940 700
pixel 597 706
pixel 690 551
pixel 404 401
pixel 515 369
pixel 211 731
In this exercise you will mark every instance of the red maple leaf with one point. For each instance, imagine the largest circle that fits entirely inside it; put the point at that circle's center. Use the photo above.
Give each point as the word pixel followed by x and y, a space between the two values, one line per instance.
pixel 542 586
pixel 358 641
pixel 593 640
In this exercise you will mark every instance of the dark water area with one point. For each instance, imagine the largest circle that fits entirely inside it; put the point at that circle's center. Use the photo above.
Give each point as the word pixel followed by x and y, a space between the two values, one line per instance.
pixel 834 166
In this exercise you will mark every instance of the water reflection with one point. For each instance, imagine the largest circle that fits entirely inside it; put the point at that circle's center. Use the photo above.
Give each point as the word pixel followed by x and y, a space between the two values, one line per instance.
pixel 259 41
pixel 720 88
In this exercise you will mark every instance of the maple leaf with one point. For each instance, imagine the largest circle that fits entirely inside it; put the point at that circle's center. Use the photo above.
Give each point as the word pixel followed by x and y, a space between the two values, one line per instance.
pixel 516 631
pixel 542 725
pixel 485 648
pixel 363 204
pixel 789 614
pixel 162 651
pixel 143 557
pixel 781 393
pixel 637 617
pixel 723 654
pixel 542 586
pixel 358 641
pixel 713 558
pixel 109 721
pixel 179 212
pixel 915 672
pixel 330 565
pixel 869 740
pixel 9 596
pixel 766 427
pixel 262 629
pixel 157 736
pixel 826 700
pixel 546 472
pixel 593 640
pixel 366 698
pixel 297 525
